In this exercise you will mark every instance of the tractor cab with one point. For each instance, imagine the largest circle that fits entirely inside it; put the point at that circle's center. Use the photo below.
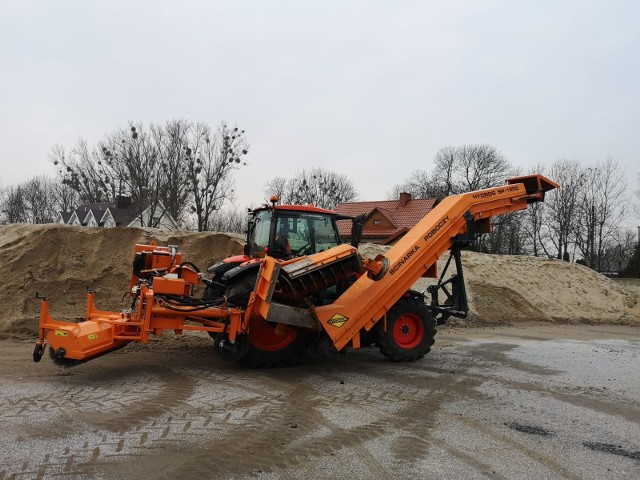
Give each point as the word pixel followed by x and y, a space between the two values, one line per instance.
pixel 283 232
pixel 290 231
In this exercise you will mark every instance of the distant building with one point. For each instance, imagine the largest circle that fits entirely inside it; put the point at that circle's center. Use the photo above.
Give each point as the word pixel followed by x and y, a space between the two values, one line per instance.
pixel 386 221
pixel 121 213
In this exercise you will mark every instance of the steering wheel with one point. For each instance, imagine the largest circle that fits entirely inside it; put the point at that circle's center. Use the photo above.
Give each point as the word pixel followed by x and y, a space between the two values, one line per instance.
pixel 299 251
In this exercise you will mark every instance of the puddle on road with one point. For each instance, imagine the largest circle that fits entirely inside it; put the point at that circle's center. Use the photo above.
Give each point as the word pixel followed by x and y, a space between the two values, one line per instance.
pixel 498 352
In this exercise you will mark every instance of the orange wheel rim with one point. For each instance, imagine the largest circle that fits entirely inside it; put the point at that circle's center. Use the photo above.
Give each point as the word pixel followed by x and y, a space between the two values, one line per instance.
pixel 263 335
pixel 408 331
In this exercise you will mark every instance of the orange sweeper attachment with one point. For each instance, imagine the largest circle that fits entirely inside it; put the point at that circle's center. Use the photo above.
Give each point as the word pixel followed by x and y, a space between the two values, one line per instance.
pixel 271 305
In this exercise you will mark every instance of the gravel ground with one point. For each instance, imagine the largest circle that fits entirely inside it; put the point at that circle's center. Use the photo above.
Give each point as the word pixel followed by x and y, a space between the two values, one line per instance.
pixel 506 402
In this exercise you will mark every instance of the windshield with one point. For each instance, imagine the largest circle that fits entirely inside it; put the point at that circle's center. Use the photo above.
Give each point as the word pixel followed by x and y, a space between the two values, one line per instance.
pixel 303 234
pixel 259 233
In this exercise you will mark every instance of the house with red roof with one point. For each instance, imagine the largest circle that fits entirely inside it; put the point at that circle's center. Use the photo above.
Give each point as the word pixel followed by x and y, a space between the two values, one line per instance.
pixel 386 221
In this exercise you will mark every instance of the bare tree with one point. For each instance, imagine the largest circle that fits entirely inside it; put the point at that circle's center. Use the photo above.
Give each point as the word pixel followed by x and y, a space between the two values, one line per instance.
pixel 13 205
pixel 479 166
pixel 562 206
pixel 420 184
pixel 445 162
pixel 619 250
pixel 64 197
pixel 602 204
pixel 3 215
pixel 170 143
pixel 229 220
pixel 132 155
pixel 534 229
pixel 212 157
pixel 636 207
pixel 84 170
pixel 507 237
pixel 633 265
pixel 457 169
pixel 178 168
pixel 38 196
pixel 32 201
pixel 278 186
pixel 317 186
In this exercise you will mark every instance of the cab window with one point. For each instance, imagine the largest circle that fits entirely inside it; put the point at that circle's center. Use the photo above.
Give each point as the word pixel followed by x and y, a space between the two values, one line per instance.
pixel 304 234
pixel 260 233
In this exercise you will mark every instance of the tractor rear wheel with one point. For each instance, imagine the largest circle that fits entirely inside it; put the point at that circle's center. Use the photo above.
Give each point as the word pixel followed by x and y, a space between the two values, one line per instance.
pixel 267 344
pixel 212 292
pixel 410 331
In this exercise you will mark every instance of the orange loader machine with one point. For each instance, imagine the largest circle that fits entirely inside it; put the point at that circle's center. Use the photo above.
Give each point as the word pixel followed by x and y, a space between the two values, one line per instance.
pixel 269 309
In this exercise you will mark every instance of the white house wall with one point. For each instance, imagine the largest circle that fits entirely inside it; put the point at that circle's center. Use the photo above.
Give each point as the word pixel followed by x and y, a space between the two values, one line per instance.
pixel 165 222
pixel 107 220
pixel 74 220
pixel 90 220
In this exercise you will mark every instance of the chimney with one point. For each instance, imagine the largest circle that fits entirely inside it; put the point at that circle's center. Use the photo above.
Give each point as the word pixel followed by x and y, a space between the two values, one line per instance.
pixel 404 199
pixel 123 201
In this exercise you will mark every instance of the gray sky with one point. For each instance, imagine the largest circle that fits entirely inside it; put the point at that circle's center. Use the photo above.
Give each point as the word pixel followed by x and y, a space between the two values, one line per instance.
pixel 368 89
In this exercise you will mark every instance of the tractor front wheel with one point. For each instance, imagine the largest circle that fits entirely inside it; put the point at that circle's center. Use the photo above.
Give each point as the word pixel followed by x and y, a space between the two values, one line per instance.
pixel 267 344
pixel 408 333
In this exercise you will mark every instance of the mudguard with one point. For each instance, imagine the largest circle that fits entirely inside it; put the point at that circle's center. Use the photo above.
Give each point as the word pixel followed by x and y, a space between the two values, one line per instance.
pixel 218 269
pixel 253 264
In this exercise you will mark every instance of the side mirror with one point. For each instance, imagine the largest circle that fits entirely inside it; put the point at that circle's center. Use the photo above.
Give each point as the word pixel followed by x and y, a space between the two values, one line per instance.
pixel 356 230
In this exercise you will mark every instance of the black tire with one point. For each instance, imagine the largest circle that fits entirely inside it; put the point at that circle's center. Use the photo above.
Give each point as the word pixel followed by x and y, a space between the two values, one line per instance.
pixel 214 291
pixel 239 289
pixel 225 351
pixel 267 344
pixel 38 351
pixel 410 331
pixel 367 338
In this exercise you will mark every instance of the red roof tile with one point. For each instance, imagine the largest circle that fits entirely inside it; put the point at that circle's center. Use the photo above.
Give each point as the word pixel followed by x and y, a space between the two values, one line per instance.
pixel 401 217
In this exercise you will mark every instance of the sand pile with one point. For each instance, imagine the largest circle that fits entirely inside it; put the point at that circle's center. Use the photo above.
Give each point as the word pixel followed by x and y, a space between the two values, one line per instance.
pixel 508 289
pixel 61 261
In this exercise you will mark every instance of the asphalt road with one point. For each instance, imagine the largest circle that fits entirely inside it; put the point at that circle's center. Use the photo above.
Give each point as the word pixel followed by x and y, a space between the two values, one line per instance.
pixel 520 402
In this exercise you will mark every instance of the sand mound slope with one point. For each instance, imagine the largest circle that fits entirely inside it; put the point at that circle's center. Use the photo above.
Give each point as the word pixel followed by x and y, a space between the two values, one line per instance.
pixel 61 261
pixel 508 289
pixel 560 291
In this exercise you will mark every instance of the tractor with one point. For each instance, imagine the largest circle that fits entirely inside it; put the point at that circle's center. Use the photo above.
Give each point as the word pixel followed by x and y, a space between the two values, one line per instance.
pixel 283 232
